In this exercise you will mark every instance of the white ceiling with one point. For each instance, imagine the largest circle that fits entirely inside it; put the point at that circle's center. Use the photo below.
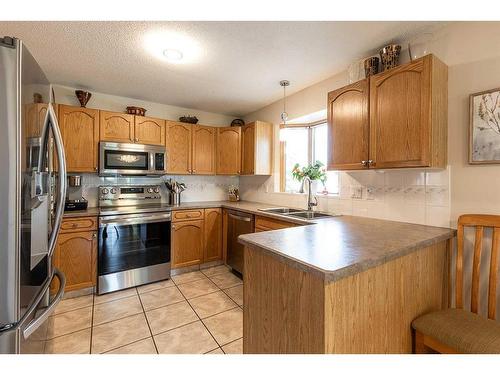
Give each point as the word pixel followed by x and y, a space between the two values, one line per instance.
pixel 238 70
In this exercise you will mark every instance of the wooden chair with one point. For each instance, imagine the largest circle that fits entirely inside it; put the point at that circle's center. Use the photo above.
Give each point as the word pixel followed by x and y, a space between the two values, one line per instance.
pixel 456 330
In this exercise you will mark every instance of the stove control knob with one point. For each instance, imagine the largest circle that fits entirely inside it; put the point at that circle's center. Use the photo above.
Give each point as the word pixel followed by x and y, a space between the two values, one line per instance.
pixel 150 190
pixel 157 190
pixel 105 191
pixel 113 190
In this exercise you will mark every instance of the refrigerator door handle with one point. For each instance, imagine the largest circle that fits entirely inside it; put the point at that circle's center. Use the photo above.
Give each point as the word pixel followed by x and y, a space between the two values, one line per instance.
pixel 61 193
pixel 41 318
pixel 36 302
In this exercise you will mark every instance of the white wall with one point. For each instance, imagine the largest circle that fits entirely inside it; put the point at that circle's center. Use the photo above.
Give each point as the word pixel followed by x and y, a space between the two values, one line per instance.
pixel 471 51
pixel 199 188
pixel 66 95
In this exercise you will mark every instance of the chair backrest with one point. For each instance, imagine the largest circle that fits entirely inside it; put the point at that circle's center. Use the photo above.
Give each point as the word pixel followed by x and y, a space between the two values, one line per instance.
pixel 479 222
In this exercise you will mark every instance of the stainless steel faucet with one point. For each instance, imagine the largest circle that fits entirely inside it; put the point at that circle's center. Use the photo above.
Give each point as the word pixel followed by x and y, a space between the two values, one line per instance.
pixel 310 203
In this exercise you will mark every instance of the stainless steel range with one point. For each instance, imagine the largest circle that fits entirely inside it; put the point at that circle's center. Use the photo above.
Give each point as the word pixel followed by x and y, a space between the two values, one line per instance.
pixel 134 237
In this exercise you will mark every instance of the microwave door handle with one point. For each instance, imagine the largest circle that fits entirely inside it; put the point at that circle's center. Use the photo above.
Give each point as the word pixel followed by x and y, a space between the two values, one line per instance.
pixel 61 190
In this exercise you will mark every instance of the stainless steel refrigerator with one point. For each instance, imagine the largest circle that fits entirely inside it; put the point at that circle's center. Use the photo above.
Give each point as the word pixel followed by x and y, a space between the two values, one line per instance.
pixel 31 200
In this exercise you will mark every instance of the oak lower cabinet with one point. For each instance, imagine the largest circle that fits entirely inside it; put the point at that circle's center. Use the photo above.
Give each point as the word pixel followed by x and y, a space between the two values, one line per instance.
pixel 228 150
pixel 76 252
pixel 196 237
pixel 213 235
pixel 80 134
pixel 406 114
pixel 264 224
pixel 257 148
pixel 187 243
pixel 178 143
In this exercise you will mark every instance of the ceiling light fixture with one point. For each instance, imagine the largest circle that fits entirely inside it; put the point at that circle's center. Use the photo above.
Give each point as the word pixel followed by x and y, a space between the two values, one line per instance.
pixel 284 114
pixel 174 48
pixel 172 54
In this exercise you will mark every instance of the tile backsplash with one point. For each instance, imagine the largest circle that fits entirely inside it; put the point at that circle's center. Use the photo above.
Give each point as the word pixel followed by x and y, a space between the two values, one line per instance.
pixel 415 196
pixel 199 188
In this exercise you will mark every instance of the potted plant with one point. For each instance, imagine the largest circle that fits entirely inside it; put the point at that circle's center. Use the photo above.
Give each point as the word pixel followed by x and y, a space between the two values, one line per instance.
pixel 316 172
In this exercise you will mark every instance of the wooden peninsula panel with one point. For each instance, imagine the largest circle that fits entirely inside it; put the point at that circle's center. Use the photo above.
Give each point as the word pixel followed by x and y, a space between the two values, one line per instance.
pixel 290 310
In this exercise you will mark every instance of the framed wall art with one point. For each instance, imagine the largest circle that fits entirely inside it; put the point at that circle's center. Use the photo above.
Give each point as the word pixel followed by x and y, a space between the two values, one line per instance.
pixel 484 130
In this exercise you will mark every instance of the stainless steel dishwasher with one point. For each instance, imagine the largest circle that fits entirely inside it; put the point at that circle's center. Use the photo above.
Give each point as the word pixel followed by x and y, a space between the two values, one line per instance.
pixel 237 223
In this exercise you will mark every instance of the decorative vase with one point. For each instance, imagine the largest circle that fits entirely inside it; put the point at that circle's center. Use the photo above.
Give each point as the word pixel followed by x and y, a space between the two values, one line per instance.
pixel 83 97
pixel 389 56
pixel 371 66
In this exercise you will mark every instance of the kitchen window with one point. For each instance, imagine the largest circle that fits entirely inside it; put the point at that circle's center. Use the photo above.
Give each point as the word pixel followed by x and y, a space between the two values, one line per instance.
pixel 305 144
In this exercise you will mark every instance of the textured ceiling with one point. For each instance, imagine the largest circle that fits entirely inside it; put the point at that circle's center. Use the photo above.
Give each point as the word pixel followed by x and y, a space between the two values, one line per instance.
pixel 238 67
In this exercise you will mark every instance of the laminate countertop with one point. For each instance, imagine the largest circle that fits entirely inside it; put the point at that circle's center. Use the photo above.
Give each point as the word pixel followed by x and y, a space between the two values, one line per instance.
pixel 342 246
pixel 331 248
pixel 244 206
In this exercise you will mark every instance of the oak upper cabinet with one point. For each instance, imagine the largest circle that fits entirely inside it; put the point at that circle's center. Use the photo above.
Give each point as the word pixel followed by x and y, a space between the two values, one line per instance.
pixel 117 127
pixel 178 144
pixel 408 115
pixel 257 148
pixel 187 243
pixel 34 117
pixel 228 161
pixel 213 235
pixel 150 131
pixel 76 252
pixel 80 133
pixel 348 127
pixel 203 150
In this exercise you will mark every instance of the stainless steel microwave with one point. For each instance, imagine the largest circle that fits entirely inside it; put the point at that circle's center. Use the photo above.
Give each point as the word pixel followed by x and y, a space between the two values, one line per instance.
pixel 131 159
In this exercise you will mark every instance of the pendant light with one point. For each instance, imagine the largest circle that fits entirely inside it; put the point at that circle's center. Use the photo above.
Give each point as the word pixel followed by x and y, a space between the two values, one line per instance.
pixel 284 114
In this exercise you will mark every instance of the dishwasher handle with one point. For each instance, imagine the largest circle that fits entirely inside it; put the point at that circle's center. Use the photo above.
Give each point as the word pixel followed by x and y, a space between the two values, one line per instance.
pixel 241 218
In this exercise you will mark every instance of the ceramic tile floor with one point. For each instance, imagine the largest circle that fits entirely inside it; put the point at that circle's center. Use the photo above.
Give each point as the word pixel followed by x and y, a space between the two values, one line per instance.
pixel 196 312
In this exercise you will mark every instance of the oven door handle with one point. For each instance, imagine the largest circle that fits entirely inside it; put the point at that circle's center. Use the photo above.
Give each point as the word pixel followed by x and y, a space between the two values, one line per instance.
pixel 104 222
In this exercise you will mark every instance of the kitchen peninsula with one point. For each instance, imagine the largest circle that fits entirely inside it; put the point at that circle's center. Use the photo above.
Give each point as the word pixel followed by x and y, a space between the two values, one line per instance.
pixel 344 285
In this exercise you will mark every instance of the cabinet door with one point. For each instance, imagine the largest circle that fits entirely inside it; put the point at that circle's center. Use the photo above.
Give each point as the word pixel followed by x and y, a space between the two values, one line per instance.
pixel 248 149
pixel 34 118
pixel 187 243
pixel 178 143
pixel 80 133
pixel 229 150
pixel 213 234
pixel 348 127
pixel 400 117
pixel 116 127
pixel 203 149
pixel 150 131
pixel 76 257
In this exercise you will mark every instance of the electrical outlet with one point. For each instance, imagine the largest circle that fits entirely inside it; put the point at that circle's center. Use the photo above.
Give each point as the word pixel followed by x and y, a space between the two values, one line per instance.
pixel 356 192
pixel 370 193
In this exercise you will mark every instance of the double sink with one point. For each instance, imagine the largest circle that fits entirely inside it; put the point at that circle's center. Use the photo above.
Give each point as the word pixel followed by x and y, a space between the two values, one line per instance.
pixel 296 213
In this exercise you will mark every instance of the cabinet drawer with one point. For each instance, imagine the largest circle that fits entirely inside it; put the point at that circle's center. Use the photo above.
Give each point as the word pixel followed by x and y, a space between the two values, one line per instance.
pixel 79 224
pixel 265 223
pixel 187 215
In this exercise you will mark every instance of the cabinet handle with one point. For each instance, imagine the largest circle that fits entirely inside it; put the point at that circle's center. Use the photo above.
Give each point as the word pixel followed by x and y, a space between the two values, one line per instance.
pixel 136 139
pixel 193 170
pixel 364 163
pixel 173 226
pixel 95 168
pixel 94 235
pixel 371 162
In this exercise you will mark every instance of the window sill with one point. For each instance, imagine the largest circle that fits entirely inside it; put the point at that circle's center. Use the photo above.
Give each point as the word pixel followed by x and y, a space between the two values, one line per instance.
pixel 318 195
